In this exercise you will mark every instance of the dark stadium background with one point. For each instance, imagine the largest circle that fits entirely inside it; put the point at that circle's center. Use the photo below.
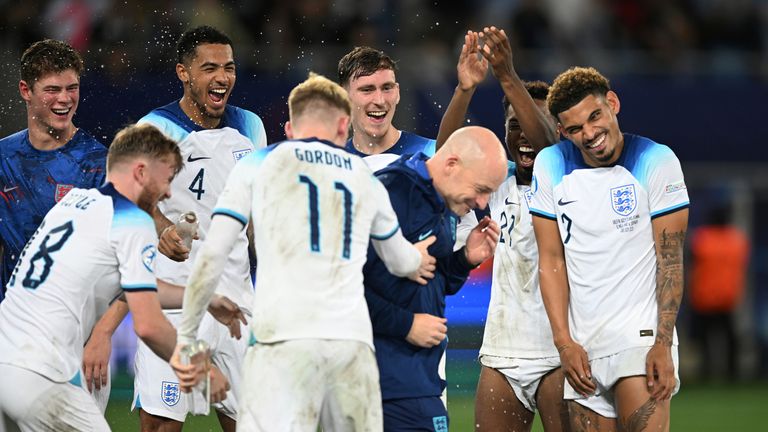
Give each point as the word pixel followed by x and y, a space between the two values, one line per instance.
pixel 692 74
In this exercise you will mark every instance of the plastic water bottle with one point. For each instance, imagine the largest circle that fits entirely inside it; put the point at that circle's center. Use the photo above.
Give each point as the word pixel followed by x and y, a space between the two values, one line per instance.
pixel 186 227
pixel 199 399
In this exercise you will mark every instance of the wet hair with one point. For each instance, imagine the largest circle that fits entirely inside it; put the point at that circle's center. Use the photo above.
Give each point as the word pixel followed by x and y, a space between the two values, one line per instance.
pixel 363 61
pixel 537 89
pixel 143 140
pixel 188 42
pixel 49 56
pixel 317 92
pixel 572 86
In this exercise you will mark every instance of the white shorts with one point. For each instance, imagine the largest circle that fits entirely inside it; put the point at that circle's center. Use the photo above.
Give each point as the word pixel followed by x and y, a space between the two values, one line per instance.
pixel 606 371
pixel 523 375
pixel 101 396
pixel 35 403
pixel 295 384
pixel 156 388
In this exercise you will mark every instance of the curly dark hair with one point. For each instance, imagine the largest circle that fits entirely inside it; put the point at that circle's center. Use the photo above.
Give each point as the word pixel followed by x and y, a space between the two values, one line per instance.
pixel 573 85
pixel 537 89
pixel 363 61
pixel 49 56
pixel 192 38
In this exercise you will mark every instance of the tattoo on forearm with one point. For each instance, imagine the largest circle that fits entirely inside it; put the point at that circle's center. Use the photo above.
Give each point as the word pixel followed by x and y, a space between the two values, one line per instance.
pixel 669 283
pixel 638 420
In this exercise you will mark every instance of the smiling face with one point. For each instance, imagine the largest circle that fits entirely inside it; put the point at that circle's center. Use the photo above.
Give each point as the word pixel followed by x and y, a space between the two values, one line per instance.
pixel 520 150
pixel 208 81
pixel 374 99
pixel 52 101
pixel 593 127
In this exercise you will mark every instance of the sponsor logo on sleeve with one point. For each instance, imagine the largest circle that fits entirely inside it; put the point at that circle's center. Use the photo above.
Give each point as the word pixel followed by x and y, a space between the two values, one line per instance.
pixel 675 187
pixel 148 255
pixel 239 154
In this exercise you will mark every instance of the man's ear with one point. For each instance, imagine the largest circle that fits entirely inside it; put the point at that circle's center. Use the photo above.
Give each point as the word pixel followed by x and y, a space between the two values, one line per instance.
pixel 140 172
pixel 342 128
pixel 182 73
pixel 613 101
pixel 25 90
pixel 288 130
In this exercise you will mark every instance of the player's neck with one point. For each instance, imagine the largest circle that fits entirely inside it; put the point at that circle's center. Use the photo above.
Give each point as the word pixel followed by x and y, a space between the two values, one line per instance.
pixel 46 139
pixel 371 145
pixel 195 113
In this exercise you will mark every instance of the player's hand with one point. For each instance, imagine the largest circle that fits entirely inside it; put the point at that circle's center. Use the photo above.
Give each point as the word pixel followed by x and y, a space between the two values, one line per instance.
pixel 219 385
pixel 171 244
pixel 497 51
pixel 472 67
pixel 428 262
pixel 96 360
pixel 228 313
pixel 660 372
pixel 427 330
pixel 189 375
pixel 482 240
pixel 575 365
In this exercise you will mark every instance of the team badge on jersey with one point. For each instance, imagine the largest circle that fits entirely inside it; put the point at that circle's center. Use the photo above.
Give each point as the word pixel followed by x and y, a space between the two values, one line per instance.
pixel 170 393
pixel 62 190
pixel 623 199
pixel 239 154
pixel 148 255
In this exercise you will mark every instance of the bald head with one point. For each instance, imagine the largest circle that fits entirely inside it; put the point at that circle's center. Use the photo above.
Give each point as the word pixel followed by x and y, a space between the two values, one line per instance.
pixel 470 166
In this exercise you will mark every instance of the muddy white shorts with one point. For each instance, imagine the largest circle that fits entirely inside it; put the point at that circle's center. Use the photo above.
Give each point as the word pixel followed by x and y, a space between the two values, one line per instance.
pixel 297 384
pixel 32 402
pixel 523 375
pixel 156 388
pixel 608 370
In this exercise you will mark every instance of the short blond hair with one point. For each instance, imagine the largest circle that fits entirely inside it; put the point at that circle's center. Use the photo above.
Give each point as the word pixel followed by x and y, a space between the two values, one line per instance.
pixel 573 85
pixel 142 140
pixel 317 92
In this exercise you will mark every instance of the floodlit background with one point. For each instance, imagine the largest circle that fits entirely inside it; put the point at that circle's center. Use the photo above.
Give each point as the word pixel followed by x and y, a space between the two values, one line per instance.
pixel 691 74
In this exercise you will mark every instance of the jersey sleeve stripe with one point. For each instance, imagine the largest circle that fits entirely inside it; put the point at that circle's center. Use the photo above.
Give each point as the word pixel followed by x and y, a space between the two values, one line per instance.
pixel 137 288
pixel 234 215
pixel 543 214
pixel 669 210
pixel 385 236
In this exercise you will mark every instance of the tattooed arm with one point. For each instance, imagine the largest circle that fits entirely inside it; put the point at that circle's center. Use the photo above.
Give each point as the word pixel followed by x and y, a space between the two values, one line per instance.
pixel 669 237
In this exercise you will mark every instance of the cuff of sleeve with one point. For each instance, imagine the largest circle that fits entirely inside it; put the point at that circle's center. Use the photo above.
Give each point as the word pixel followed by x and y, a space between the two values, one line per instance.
pixel 405 324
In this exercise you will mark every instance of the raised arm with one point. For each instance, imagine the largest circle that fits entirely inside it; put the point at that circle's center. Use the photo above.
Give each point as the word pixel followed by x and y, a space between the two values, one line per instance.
pixel 538 127
pixel 471 69
pixel 553 282
pixel 669 236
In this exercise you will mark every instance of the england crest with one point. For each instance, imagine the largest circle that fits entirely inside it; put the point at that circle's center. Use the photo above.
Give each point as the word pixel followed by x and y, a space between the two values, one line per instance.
pixel 170 393
pixel 623 199
pixel 62 190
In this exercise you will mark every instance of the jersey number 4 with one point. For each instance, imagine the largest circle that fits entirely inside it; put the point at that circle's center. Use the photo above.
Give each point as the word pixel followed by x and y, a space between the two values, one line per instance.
pixel 196 186
pixel 314 215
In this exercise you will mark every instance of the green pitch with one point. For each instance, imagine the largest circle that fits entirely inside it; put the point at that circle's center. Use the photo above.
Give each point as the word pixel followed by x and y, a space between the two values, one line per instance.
pixel 698 408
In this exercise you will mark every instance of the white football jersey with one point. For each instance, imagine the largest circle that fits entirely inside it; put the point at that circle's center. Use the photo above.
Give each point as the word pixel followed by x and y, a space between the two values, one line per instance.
pixel 517 324
pixel 209 157
pixel 604 217
pixel 91 246
pixel 314 207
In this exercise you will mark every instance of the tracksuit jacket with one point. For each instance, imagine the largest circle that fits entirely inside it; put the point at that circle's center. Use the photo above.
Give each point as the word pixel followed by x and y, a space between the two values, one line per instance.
pixel 407 371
